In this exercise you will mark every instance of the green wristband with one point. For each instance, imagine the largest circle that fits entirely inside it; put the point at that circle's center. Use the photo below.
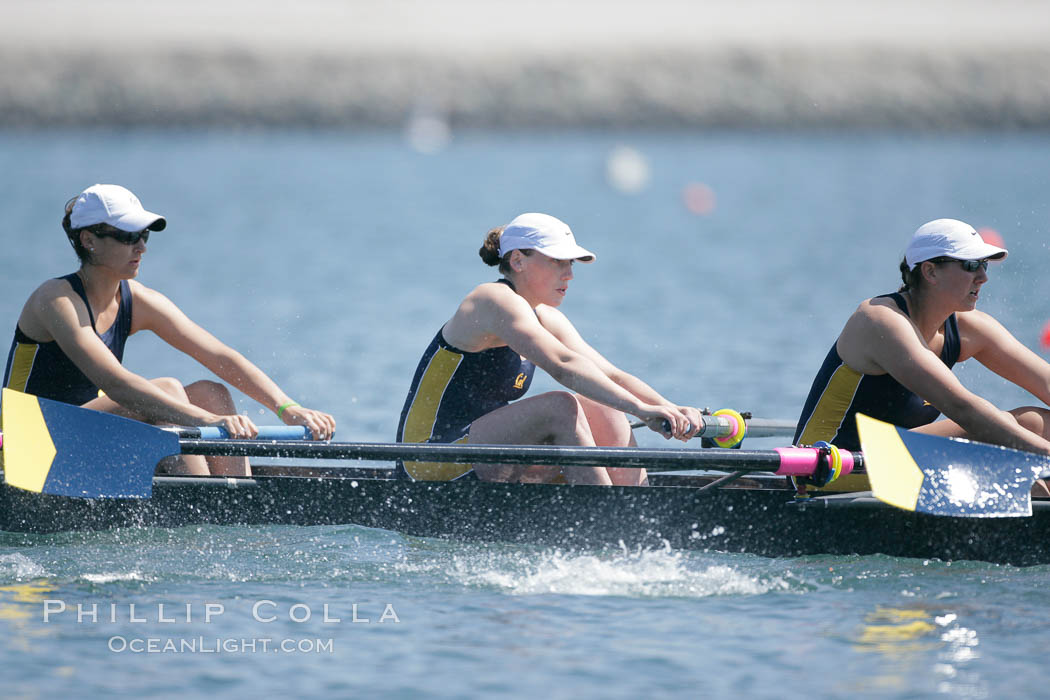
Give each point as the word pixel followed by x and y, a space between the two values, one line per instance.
pixel 282 407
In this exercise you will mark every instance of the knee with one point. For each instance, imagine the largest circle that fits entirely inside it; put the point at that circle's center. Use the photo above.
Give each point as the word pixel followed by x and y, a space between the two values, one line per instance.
pixel 608 425
pixel 172 386
pixel 564 405
pixel 213 396
pixel 206 386
pixel 1035 419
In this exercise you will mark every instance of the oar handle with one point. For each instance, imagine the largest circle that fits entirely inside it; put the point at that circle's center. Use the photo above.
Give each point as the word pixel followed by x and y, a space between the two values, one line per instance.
pixel 722 426
pixel 266 432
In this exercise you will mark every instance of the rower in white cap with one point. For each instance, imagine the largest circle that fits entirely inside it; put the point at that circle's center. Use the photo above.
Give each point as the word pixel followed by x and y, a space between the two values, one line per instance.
pixel 469 381
pixel 893 358
pixel 69 341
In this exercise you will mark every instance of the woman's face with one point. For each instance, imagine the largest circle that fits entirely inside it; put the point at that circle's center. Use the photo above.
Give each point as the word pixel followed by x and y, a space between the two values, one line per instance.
pixel 543 280
pixel 118 251
pixel 961 285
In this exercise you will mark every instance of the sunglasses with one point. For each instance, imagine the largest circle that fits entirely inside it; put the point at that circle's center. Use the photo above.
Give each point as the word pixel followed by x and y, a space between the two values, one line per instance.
pixel 125 237
pixel 968 265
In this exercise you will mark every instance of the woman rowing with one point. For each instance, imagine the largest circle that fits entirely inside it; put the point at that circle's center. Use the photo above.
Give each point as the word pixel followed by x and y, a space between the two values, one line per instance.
pixel 893 359
pixel 483 359
pixel 69 341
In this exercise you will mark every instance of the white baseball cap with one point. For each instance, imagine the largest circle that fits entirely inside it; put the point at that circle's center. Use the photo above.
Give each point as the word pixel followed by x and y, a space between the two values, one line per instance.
pixel 113 205
pixel 949 238
pixel 544 233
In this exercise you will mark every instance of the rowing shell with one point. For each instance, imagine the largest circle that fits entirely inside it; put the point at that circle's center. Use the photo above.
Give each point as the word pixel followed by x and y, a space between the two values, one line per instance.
pixel 754 515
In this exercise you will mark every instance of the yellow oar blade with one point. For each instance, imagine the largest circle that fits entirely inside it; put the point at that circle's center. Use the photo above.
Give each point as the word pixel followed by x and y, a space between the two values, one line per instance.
pixel 56 448
pixel 894 476
pixel 29 451
pixel 946 476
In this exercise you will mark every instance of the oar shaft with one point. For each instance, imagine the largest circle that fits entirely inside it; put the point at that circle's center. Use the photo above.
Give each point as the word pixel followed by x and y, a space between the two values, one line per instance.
pixel 714 426
pixel 266 432
pixel 722 426
pixel 786 461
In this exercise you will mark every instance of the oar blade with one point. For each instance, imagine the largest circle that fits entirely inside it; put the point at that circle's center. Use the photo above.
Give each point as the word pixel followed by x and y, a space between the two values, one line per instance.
pixel 946 476
pixel 56 448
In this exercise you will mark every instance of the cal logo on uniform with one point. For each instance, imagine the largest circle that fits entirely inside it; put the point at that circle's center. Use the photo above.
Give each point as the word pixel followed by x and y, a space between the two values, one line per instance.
pixel 519 381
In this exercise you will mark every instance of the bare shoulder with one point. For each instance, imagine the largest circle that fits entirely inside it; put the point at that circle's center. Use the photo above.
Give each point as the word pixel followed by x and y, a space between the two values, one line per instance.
pixel 51 295
pixel 490 297
pixel 142 293
pixel 492 290
pixel 977 320
pixel 877 313
pixel 549 316
pixel 482 317
pixel 875 328
pixel 52 289
pixel 51 306
pixel 879 307
pixel 980 331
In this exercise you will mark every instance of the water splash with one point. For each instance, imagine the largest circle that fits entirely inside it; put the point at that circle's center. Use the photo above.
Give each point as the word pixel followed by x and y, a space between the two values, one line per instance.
pixel 19 567
pixel 113 577
pixel 639 573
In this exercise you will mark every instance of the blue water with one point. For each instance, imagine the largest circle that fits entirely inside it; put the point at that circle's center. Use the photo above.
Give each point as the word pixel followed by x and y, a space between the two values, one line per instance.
pixel 330 259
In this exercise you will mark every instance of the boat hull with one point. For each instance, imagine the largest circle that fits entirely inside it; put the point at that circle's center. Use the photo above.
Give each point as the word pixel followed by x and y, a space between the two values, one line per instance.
pixel 762 521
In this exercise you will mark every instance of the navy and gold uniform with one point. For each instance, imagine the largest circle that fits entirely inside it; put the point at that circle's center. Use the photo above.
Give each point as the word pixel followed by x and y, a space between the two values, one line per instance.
pixel 840 392
pixel 44 370
pixel 450 390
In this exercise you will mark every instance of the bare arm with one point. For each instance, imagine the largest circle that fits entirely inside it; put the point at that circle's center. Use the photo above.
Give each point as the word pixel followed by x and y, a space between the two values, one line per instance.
pixel 494 315
pixel 55 312
pixel 986 340
pixel 155 312
pixel 562 329
pixel 880 339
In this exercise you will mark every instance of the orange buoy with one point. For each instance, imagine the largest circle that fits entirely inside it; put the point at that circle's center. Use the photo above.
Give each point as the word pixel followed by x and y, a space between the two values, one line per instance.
pixel 699 198
pixel 991 236
pixel 1044 337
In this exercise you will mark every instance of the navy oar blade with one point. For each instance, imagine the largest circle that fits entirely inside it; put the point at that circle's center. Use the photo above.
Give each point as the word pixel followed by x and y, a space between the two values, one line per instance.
pixel 947 476
pixel 64 450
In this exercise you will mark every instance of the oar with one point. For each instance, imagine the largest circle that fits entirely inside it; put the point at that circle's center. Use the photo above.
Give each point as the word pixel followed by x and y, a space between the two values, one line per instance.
pixel 947 476
pixel 97 455
pixel 719 426
pixel 266 432
pixel 53 447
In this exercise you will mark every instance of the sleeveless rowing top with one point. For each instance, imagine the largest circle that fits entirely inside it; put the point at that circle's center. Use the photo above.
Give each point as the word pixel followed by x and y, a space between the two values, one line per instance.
pixel 839 392
pixel 450 390
pixel 44 370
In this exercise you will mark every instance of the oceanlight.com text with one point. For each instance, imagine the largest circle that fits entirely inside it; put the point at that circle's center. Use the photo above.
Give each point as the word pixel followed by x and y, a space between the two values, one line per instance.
pixel 218 645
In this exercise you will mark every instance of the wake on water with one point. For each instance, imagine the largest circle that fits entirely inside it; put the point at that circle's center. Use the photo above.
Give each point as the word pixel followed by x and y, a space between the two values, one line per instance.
pixel 632 573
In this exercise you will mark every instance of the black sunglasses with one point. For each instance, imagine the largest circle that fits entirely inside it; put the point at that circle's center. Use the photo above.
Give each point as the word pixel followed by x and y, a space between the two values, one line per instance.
pixel 125 237
pixel 968 265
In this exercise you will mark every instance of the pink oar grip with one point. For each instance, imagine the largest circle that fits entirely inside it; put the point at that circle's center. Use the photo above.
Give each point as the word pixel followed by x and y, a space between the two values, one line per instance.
pixel 802 461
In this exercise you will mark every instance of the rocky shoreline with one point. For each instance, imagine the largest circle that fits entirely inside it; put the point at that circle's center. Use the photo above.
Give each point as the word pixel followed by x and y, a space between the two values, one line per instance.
pixel 720 64
pixel 726 87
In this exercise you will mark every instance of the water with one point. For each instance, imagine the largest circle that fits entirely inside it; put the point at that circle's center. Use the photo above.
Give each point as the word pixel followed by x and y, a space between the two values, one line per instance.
pixel 330 259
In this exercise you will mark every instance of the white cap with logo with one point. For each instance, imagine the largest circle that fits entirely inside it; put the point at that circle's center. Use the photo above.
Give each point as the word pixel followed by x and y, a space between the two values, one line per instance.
pixel 113 205
pixel 952 239
pixel 543 233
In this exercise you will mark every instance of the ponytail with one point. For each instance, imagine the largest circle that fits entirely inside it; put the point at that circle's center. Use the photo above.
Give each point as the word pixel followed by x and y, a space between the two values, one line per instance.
pixel 73 234
pixel 911 277
pixel 489 251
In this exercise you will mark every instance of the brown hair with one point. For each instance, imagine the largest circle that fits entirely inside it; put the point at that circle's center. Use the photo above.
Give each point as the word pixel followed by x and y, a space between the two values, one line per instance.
pixel 911 278
pixel 489 251
pixel 74 233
